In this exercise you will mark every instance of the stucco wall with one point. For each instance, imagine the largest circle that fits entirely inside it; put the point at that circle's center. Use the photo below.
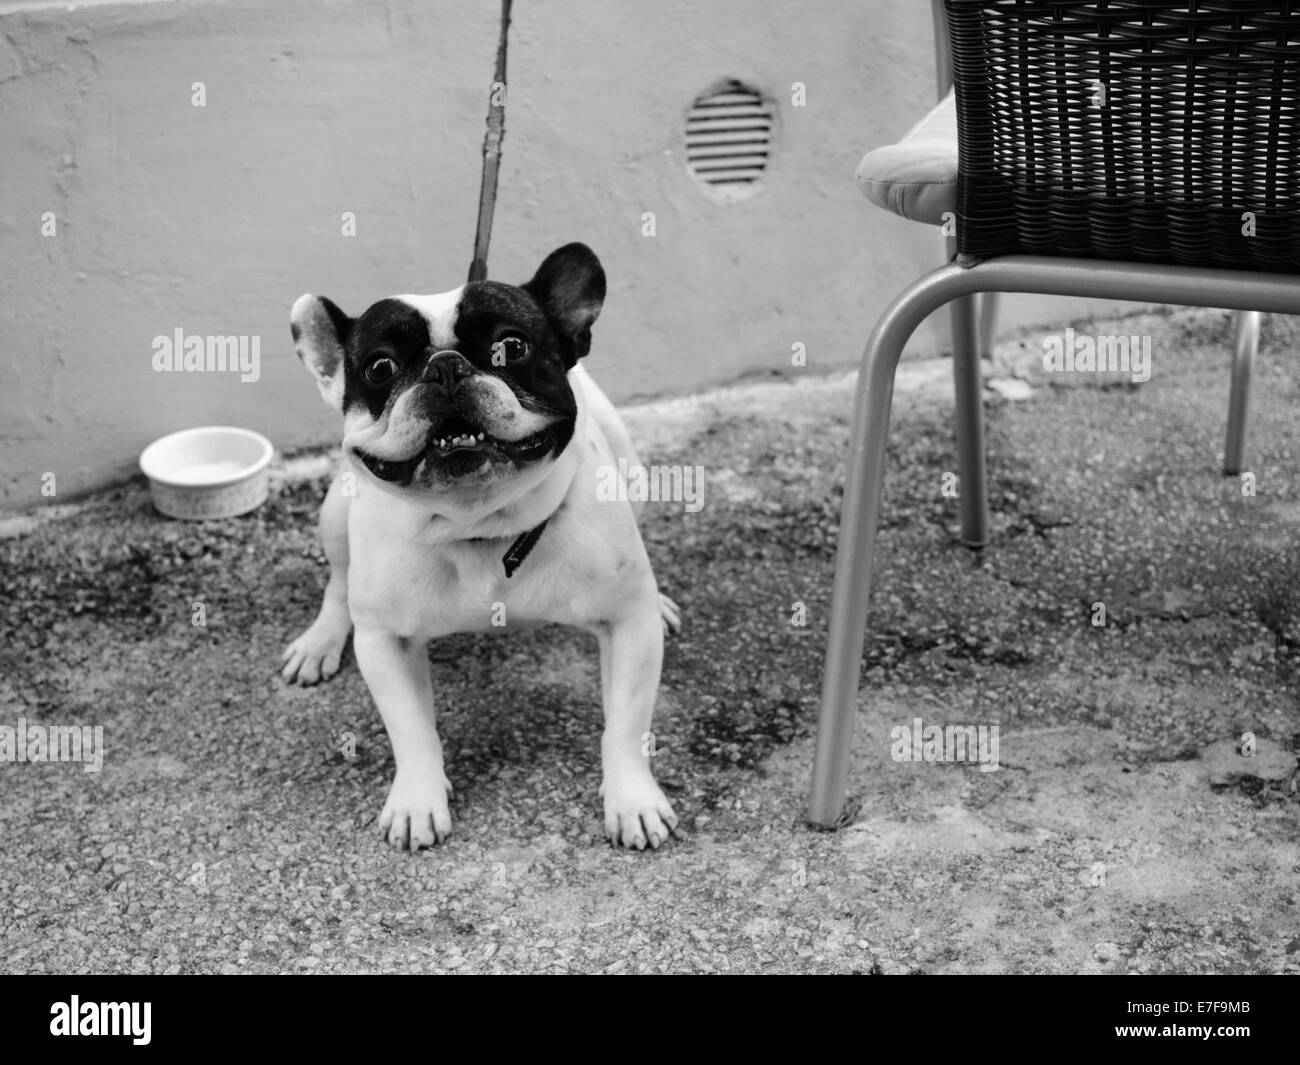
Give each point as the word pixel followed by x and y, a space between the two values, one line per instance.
pixel 213 219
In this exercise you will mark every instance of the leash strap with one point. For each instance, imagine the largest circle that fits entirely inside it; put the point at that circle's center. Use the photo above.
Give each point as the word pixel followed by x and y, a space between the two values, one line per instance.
pixel 496 132
pixel 520 549
pixel 487 201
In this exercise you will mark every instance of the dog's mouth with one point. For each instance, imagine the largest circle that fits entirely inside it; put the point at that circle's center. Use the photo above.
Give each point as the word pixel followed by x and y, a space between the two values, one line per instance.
pixel 458 447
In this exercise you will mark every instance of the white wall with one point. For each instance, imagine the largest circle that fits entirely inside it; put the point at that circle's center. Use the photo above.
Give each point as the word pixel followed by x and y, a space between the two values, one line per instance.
pixel 214 219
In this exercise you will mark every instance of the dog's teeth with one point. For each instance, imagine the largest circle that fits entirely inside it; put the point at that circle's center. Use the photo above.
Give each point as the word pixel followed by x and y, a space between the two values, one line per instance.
pixel 462 440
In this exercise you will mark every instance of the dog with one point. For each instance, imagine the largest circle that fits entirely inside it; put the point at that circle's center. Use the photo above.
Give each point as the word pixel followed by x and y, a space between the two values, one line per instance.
pixel 473 443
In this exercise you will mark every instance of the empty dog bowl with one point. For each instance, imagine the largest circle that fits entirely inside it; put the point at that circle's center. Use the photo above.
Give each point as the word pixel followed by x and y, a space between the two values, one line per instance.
pixel 216 471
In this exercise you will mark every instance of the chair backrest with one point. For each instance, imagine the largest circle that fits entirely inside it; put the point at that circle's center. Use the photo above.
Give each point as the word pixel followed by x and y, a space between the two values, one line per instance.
pixel 1129 129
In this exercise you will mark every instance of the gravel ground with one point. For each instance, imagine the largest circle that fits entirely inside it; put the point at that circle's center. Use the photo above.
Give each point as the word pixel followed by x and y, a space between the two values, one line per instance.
pixel 228 832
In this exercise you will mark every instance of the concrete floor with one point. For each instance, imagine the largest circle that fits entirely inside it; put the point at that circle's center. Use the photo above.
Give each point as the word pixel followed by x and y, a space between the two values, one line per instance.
pixel 1123 832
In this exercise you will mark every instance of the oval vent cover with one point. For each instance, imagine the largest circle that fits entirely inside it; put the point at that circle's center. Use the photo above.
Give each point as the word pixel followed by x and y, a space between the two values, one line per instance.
pixel 729 139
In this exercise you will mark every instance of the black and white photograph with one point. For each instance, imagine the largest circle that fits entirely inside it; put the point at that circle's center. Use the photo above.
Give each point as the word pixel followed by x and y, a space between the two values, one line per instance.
pixel 734 487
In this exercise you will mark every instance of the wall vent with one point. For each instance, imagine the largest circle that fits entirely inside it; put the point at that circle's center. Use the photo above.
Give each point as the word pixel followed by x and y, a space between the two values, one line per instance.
pixel 729 140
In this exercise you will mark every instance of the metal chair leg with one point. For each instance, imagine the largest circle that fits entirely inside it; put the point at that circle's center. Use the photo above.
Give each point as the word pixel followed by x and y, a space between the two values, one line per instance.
pixel 853 561
pixel 1144 282
pixel 969 421
pixel 988 323
pixel 855 554
pixel 1243 368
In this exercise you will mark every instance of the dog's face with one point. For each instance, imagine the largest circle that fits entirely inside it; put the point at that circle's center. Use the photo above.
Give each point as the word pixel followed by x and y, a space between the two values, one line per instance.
pixel 463 391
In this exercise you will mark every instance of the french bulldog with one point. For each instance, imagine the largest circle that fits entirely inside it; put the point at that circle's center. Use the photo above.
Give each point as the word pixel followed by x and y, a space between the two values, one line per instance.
pixel 473 442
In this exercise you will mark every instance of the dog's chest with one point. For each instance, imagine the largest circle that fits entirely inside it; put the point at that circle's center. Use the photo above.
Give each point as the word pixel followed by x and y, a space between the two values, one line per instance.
pixel 425 591
pixel 468 588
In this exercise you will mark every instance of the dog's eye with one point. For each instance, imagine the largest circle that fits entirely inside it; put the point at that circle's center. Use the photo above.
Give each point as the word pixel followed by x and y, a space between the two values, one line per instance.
pixel 380 370
pixel 509 348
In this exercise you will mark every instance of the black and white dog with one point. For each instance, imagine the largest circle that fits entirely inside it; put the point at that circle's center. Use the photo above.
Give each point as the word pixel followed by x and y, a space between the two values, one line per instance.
pixel 473 444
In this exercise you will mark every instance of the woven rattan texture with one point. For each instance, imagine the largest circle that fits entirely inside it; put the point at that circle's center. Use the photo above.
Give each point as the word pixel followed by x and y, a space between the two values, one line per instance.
pixel 1130 130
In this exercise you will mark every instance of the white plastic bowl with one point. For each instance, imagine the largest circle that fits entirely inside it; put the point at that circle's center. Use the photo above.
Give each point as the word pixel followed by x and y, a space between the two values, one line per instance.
pixel 215 471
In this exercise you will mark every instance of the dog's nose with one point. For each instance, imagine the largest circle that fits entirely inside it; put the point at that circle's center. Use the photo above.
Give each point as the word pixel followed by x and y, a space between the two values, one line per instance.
pixel 446 369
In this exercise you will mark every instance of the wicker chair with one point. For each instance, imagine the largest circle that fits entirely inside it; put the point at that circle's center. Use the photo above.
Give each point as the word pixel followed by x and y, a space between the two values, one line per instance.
pixel 1116 149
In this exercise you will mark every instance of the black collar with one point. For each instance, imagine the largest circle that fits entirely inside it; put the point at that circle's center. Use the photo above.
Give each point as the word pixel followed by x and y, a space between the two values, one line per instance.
pixel 519 549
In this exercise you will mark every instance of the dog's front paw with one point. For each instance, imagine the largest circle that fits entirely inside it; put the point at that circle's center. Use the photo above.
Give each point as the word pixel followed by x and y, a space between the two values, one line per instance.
pixel 636 811
pixel 416 814
pixel 315 655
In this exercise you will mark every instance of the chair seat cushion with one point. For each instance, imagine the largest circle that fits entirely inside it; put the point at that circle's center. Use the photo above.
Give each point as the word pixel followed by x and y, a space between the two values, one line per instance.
pixel 917 177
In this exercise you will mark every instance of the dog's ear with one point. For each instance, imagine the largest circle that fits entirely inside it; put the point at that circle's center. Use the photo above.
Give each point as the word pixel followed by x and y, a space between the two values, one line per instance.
pixel 570 286
pixel 320 330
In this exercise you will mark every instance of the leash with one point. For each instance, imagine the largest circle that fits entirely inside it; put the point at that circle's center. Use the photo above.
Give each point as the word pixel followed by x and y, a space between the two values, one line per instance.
pixel 487 201
pixel 496 132
pixel 519 549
